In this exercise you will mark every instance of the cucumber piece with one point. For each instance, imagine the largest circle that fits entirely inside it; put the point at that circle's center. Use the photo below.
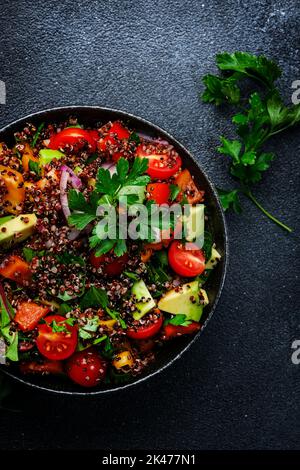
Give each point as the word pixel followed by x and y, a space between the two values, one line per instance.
pixel 47 155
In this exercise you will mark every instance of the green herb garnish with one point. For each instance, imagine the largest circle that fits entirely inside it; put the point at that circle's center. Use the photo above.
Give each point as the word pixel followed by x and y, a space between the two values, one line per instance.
pixel 178 320
pixel 36 135
pixel 258 117
pixel 94 297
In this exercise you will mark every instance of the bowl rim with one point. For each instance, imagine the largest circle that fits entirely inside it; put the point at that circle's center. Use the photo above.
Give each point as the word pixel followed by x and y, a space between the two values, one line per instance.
pixel 160 130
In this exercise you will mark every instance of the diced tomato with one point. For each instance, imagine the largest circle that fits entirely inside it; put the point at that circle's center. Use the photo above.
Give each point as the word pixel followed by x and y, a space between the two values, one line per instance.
pixel 160 165
pixel 29 314
pixel 72 136
pixel 145 332
pixel 56 345
pixel 16 269
pixel 187 259
pixel 112 265
pixel 158 192
pixel 188 188
pixel 46 367
pixel 171 331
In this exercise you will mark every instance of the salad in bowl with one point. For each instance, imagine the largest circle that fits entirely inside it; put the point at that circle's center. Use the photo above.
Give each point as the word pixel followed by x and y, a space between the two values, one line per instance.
pixel 98 271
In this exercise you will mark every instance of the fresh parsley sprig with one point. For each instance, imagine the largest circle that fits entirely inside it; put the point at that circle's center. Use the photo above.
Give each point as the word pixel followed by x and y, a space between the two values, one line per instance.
pixel 107 191
pixel 258 117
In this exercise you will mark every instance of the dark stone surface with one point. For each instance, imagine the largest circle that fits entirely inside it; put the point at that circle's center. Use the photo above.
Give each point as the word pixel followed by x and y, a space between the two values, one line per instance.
pixel 237 387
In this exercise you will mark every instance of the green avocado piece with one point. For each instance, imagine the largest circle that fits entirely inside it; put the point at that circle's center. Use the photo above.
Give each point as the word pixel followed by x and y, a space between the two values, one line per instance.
pixel 5 219
pixel 215 257
pixel 47 155
pixel 139 191
pixel 140 291
pixel 17 230
pixel 189 300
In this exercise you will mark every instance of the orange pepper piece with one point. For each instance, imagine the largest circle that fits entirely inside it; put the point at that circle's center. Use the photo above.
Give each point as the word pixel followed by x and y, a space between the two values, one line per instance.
pixel 15 191
pixel 16 269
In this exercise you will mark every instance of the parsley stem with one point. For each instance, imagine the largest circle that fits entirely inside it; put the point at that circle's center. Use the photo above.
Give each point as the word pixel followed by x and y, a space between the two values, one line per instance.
pixel 264 211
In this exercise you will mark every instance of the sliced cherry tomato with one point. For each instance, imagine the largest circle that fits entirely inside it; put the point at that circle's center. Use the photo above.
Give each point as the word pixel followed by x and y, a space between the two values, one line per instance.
pixel 186 259
pixel 16 269
pixel 94 135
pixel 171 331
pixel 160 165
pixel 115 134
pixel 45 367
pixel 72 136
pixel 188 188
pixel 56 345
pixel 112 265
pixel 29 314
pixel 145 332
pixel 86 368
pixel 158 192
pixel 119 130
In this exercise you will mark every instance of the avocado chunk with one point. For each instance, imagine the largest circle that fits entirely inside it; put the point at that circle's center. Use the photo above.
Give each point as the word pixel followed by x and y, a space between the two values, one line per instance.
pixel 138 191
pixel 5 219
pixel 193 224
pixel 47 155
pixel 213 260
pixel 17 229
pixel 143 298
pixel 189 300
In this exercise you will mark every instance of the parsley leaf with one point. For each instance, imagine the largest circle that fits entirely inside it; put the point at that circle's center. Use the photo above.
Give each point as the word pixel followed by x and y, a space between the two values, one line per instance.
pixel 220 90
pixel 178 320
pixel 230 199
pixel 34 167
pixel 174 191
pixel 258 67
pixel 94 297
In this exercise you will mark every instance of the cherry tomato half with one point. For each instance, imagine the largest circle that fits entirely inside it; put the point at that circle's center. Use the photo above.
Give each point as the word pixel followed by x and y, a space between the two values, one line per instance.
pixel 186 259
pixel 86 368
pixel 56 345
pixel 158 192
pixel 73 136
pixel 116 133
pixel 171 331
pixel 112 265
pixel 160 165
pixel 145 332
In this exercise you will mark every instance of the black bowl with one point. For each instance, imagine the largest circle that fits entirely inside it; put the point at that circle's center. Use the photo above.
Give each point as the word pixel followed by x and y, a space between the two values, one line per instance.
pixel 91 116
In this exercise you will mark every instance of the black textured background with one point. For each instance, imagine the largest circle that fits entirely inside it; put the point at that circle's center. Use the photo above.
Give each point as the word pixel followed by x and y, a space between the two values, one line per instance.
pixel 237 387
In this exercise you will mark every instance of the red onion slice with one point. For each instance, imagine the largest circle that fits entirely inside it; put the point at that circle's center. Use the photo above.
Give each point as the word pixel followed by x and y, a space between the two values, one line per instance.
pixel 110 166
pixel 75 180
pixel 153 139
pixel 64 178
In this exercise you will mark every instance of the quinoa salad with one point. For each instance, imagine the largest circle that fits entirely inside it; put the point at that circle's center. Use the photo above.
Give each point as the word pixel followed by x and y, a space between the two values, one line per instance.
pixel 75 302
